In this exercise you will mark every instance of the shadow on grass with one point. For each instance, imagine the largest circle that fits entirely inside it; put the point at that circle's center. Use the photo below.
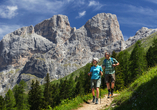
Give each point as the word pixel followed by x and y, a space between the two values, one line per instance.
pixel 143 97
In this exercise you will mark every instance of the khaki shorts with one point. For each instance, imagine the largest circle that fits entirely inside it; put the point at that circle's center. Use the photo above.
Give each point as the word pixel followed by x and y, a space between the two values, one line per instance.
pixel 110 77
pixel 95 83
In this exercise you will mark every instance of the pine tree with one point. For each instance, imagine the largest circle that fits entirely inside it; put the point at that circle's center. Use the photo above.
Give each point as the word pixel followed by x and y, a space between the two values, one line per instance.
pixel 114 54
pixel 47 92
pixel 10 100
pixel 119 72
pixel 2 103
pixel 16 92
pixel 151 54
pixel 22 99
pixel 35 96
pixel 79 86
pixel 123 58
pixel 56 95
pixel 62 89
pixel 71 87
pixel 87 78
pixel 138 61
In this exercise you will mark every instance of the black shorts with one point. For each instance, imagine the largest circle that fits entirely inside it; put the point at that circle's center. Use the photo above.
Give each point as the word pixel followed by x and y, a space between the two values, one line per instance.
pixel 110 77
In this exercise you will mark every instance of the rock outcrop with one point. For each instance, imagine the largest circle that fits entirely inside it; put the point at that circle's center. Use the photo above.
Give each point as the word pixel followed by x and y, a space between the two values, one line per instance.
pixel 140 34
pixel 54 47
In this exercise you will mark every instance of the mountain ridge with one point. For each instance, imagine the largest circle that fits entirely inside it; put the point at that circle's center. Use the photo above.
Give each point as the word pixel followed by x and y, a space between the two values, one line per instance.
pixel 52 46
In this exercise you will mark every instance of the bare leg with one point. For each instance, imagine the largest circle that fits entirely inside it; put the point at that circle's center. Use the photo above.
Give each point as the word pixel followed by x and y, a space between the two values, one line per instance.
pixel 112 85
pixel 108 85
pixel 93 93
pixel 97 92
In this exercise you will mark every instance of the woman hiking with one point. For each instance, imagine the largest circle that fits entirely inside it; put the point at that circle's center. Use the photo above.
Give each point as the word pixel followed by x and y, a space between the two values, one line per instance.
pixel 96 73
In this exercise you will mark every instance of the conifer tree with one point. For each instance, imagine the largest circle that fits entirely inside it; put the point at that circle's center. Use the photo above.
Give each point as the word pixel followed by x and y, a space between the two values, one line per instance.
pixel 87 78
pixel 150 57
pixel 138 61
pixel 119 72
pixel 152 54
pixel 22 98
pixel 2 103
pixel 35 96
pixel 71 87
pixel 15 91
pixel 56 95
pixel 47 92
pixel 61 89
pixel 10 100
pixel 79 86
pixel 66 89
pixel 114 54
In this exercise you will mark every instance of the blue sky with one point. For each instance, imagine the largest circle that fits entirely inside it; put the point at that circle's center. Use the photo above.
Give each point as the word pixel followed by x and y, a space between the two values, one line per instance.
pixel 132 14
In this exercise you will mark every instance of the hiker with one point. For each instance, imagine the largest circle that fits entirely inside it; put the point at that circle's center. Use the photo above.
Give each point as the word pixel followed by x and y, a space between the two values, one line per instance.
pixel 109 65
pixel 96 73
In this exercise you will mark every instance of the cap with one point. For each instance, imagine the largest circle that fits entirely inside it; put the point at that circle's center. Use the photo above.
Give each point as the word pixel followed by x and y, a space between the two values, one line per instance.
pixel 96 59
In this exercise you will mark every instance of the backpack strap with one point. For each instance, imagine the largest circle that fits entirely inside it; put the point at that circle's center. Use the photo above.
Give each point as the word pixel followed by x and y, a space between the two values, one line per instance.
pixel 111 60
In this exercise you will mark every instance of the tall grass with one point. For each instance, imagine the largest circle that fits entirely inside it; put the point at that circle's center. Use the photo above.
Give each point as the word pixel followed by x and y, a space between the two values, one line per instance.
pixel 141 94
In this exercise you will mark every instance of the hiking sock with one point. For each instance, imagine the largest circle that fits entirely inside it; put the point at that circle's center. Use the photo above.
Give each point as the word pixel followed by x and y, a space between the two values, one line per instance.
pixel 109 92
pixel 93 99
pixel 96 101
pixel 112 91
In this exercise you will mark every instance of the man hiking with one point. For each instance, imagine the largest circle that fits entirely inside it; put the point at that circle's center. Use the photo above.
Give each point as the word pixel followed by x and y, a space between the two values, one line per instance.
pixel 96 73
pixel 109 65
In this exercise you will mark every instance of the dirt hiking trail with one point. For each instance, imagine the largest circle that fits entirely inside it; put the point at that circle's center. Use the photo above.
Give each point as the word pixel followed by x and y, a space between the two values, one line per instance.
pixel 105 102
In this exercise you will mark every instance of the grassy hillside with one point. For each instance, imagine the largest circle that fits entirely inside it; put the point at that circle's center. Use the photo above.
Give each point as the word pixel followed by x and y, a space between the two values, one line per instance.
pixel 141 94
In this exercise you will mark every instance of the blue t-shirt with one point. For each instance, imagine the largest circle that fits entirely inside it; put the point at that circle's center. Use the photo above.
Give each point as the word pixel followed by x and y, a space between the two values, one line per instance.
pixel 96 72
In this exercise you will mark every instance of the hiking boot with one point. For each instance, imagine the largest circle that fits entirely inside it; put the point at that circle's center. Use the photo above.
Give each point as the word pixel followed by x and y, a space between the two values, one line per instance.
pixel 109 95
pixel 96 101
pixel 93 99
pixel 112 92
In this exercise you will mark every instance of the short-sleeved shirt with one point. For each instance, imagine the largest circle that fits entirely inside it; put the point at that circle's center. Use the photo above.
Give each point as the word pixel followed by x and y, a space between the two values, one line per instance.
pixel 96 72
pixel 108 65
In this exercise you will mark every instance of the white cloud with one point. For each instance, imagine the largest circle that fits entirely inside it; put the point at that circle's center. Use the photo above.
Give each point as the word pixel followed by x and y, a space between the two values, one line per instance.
pixel 6 29
pixel 81 14
pixel 137 22
pixel 8 11
pixel 40 6
pixel 142 10
pixel 153 1
pixel 46 6
pixel 95 4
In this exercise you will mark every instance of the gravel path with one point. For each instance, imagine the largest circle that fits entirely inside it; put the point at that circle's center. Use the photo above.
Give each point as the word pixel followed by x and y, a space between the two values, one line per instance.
pixel 105 102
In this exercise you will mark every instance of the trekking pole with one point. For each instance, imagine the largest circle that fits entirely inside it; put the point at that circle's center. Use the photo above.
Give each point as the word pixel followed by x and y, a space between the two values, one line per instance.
pixel 100 94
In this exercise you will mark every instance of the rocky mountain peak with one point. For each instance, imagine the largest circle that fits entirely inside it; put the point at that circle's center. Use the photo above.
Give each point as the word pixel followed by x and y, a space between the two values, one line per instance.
pixel 106 24
pixel 52 28
pixel 54 47
pixel 140 34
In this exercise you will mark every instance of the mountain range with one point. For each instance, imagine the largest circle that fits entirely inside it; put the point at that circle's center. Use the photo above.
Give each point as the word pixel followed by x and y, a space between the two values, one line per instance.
pixel 54 47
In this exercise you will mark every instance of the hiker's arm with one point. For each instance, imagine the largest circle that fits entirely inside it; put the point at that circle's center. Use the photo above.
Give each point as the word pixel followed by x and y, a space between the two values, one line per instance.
pixel 101 73
pixel 115 64
pixel 89 73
